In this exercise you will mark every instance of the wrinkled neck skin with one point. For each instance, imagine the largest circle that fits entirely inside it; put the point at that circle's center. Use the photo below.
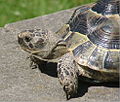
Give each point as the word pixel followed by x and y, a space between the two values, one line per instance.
pixel 51 53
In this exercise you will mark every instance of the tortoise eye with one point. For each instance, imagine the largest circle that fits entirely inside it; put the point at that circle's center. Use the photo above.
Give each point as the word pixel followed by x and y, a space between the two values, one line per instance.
pixel 27 39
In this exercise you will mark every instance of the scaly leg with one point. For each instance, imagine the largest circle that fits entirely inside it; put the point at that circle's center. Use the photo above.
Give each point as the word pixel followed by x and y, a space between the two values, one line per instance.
pixel 67 74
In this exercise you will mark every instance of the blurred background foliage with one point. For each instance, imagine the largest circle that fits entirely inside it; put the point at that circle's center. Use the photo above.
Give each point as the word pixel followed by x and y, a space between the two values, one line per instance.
pixel 15 10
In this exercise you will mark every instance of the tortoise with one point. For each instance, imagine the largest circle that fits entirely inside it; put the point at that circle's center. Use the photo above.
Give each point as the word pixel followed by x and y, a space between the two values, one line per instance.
pixel 88 45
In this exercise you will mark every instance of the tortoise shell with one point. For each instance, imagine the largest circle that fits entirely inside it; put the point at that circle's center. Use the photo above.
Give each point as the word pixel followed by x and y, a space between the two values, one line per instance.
pixel 92 35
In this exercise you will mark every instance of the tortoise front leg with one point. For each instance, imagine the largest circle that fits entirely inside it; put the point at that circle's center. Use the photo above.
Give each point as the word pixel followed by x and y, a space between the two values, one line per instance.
pixel 67 74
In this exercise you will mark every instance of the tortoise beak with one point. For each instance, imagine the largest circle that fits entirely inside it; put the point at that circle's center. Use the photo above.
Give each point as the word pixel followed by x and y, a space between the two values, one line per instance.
pixel 20 40
pixel 22 43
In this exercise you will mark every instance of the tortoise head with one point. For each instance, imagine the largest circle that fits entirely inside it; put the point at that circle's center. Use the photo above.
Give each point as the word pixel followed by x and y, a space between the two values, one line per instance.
pixel 42 43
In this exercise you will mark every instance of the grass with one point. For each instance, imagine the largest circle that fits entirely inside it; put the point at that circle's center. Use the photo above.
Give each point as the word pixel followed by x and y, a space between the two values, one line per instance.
pixel 15 10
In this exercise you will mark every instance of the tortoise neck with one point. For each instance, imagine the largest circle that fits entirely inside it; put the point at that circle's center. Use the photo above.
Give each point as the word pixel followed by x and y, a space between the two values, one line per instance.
pixel 107 7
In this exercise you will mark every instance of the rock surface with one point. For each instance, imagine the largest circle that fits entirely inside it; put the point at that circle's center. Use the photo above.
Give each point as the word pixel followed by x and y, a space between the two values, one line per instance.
pixel 18 82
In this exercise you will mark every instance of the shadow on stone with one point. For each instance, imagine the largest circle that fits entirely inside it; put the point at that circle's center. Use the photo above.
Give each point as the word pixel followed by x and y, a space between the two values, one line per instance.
pixel 44 66
pixel 83 86
pixel 49 68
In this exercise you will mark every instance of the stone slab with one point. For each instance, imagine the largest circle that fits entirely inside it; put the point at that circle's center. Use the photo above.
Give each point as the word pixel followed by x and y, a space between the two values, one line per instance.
pixel 18 82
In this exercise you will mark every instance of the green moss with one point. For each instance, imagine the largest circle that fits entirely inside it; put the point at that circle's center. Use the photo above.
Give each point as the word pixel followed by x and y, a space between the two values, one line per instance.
pixel 15 10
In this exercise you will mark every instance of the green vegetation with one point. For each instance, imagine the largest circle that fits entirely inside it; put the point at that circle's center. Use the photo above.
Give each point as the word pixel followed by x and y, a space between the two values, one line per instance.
pixel 14 10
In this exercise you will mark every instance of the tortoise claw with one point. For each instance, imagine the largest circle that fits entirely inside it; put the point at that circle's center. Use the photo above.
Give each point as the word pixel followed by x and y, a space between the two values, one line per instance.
pixel 68 96
pixel 69 93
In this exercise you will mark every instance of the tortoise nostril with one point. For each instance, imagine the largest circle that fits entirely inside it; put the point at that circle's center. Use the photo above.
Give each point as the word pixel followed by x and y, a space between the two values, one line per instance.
pixel 19 35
